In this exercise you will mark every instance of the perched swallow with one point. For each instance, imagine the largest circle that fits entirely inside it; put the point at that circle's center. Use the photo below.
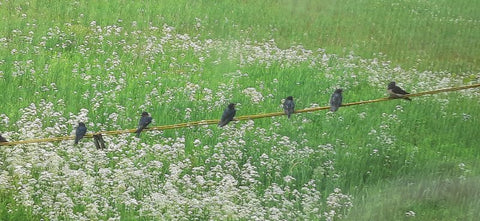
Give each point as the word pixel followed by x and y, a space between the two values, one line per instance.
pixel 80 132
pixel 2 139
pixel 397 92
pixel 227 115
pixel 145 120
pixel 336 100
pixel 289 106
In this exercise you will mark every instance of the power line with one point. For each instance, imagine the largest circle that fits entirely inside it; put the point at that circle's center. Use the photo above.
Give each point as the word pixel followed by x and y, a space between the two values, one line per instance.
pixel 245 117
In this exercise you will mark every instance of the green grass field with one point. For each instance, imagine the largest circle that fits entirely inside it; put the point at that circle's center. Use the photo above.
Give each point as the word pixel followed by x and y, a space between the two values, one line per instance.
pixel 104 62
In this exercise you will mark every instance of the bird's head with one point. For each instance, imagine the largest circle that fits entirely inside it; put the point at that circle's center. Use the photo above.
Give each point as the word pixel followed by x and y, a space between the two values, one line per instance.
pixel 391 84
pixel 339 91
pixel 145 114
pixel 81 124
pixel 231 106
pixel 290 98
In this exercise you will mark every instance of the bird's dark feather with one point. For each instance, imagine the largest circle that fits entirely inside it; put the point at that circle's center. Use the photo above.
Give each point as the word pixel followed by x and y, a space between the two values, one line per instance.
pixel 227 116
pixel 143 123
pixel 2 139
pixel 288 107
pixel 79 133
pixel 335 101
pixel 398 90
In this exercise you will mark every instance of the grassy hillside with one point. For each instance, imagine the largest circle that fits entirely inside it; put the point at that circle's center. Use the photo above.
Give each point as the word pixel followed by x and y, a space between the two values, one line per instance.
pixel 439 35
pixel 104 62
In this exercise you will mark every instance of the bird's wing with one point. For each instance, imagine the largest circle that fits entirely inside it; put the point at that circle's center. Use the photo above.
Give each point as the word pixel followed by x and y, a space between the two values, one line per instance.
pixel 144 122
pixel 149 120
pixel 81 131
pixel 398 90
pixel 336 99
pixel 288 105
pixel 225 114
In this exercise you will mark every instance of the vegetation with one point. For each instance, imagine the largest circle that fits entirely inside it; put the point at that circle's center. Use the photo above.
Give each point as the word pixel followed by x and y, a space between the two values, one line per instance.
pixel 105 62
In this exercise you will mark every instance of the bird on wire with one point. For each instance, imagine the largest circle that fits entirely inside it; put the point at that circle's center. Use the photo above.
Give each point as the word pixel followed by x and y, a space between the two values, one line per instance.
pixel 144 121
pixel 227 115
pixel 289 106
pixel 336 100
pixel 397 92
pixel 80 132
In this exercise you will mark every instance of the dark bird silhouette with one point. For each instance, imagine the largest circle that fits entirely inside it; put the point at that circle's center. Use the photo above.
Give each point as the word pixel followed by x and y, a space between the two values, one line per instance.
pixel 289 106
pixel 145 120
pixel 336 100
pixel 2 139
pixel 80 132
pixel 98 141
pixel 397 92
pixel 227 115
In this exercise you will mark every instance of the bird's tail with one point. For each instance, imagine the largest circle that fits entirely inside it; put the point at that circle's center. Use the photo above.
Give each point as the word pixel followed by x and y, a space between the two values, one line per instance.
pixel 138 131
pixel 287 112
pixel 102 142
pixel 98 141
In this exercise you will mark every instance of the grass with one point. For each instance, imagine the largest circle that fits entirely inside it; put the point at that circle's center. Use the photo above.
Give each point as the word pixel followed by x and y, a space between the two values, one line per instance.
pixel 104 62
pixel 425 35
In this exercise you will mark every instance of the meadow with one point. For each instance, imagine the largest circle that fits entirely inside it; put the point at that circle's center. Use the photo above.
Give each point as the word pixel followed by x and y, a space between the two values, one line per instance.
pixel 105 62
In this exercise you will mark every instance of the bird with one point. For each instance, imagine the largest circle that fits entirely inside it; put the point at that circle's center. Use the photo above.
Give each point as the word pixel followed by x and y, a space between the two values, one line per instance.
pixel 144 121
pixel 227 115
pixel 80 132
pixel 336 100
pixel 98 141
pixel 2 139
pixel 397 92
pixel 289 106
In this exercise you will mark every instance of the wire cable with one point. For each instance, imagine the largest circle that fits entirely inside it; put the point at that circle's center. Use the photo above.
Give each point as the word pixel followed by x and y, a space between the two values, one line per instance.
pixel 245 117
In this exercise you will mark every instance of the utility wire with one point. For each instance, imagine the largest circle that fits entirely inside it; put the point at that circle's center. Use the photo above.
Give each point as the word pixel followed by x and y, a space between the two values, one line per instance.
pixel 245 117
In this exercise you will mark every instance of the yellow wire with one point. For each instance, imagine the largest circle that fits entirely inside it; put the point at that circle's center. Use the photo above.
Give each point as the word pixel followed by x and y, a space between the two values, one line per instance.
pixel 245 117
